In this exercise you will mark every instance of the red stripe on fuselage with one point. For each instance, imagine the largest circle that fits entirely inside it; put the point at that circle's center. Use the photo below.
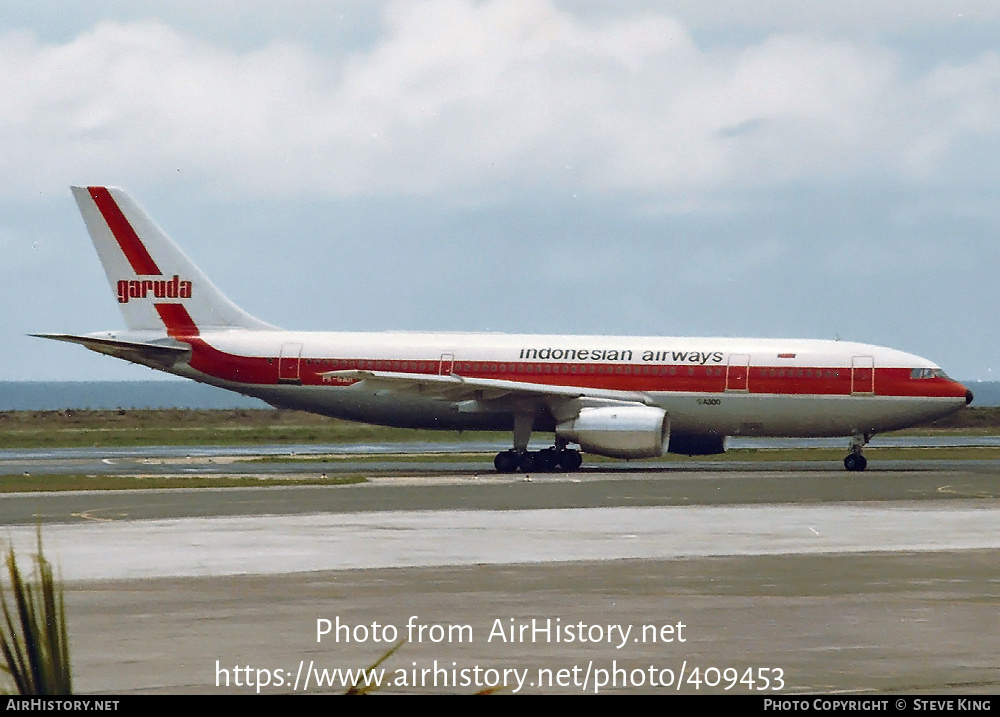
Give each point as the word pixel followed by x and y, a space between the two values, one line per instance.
pixel 130 243
pixel 262 370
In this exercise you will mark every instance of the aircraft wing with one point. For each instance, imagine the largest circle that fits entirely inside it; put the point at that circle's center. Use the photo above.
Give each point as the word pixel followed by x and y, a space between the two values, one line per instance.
pixel 484 390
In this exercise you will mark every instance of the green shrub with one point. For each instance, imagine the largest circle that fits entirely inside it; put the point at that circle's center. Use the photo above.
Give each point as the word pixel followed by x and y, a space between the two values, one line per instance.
pixel 33 641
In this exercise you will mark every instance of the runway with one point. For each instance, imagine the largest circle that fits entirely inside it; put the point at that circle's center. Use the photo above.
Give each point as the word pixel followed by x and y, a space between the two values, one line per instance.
pixel 880 582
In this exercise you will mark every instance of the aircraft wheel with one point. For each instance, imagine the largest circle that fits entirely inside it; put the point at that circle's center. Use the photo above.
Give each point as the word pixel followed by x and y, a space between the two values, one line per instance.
pixel 570 460
pixel 855 462
pixel 548 459
pixel 506 462
pixel 528 462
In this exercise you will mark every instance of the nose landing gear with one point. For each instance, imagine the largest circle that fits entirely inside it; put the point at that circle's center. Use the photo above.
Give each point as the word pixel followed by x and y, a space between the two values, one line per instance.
pixel 855 461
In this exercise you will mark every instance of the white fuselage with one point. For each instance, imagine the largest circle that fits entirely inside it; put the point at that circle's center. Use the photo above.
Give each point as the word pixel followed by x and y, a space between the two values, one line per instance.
pixel 719 386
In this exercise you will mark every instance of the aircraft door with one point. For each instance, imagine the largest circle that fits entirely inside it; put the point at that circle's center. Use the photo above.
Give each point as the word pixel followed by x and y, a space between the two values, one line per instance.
pixel 863 376
pixel 738 372
pixel 447 365
pixel 288 363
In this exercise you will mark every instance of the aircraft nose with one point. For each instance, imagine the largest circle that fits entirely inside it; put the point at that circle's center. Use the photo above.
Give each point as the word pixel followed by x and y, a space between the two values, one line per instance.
pixel 968 397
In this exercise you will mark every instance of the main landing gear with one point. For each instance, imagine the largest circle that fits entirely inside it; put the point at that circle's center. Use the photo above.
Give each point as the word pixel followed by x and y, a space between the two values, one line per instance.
pixel 548 459
pixel 520 458
pixel 855 461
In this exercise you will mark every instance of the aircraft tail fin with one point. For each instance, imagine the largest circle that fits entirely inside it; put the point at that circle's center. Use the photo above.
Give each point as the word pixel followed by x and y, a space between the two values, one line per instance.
pixel 157 287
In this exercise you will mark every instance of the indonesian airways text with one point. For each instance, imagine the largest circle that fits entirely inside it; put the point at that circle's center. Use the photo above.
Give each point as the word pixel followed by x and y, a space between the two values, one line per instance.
pixel 551 354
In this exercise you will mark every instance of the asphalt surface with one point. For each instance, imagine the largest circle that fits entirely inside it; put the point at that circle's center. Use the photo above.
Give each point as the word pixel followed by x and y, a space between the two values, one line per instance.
pixel 445 487
pixel 803 577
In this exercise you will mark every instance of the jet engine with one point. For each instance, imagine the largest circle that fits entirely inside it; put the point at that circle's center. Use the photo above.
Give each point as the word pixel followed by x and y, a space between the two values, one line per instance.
pixel 619 431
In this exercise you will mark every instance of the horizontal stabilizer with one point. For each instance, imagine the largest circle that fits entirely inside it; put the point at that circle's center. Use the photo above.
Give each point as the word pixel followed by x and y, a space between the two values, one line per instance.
pixel 153 354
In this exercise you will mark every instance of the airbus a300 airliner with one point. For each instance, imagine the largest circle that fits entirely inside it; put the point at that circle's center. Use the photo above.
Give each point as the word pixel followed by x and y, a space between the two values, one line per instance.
pixel 620 396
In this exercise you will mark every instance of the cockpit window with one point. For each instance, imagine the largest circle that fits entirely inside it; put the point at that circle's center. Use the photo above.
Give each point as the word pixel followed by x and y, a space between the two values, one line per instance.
pixel 927 373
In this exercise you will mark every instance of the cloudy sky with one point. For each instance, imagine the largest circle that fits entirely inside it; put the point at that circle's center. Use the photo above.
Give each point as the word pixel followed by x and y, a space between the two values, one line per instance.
pixel 784 168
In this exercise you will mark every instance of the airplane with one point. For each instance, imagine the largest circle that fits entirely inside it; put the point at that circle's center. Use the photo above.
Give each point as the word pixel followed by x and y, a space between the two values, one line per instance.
pixel 627 397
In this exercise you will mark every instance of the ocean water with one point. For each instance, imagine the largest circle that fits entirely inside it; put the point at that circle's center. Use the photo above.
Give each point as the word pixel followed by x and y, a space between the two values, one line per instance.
pixel 110 395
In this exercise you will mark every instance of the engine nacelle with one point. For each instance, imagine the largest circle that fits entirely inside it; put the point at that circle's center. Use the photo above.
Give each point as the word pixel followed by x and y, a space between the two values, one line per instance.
pixel 619 431
pixel 705 444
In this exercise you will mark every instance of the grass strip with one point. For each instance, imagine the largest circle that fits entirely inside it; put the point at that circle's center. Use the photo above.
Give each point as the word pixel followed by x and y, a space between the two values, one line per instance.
pixel 55 482
pixel 130 429
pixel 172 427
pixel 83 482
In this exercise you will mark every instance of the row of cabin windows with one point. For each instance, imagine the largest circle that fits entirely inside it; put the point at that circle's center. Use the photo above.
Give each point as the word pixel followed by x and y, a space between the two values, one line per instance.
pixel 476 366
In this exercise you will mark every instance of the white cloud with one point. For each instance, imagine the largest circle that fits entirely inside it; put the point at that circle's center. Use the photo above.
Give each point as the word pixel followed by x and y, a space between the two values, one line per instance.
pixel 469 99
pixel 856 17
